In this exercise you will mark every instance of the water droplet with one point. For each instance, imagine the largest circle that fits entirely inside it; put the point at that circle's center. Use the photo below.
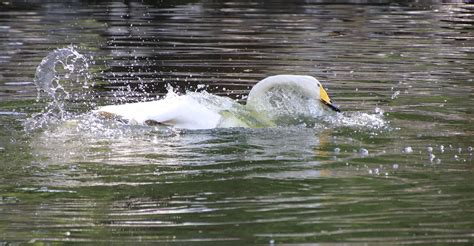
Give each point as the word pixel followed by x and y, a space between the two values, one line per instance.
pixel 379 111
pixel 432 157
pixel 337 150
pixel 441 148
pixel 201 86
pixel 395 166
pixel 395 94
pixel 363 152
pixel 429 149
pixel 408 150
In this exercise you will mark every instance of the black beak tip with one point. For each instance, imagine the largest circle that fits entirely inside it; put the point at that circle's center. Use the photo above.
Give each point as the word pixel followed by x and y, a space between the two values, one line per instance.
pixel 331 106
pixel 334 108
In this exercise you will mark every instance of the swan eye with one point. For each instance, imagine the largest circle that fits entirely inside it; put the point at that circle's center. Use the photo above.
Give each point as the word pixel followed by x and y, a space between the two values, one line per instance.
pixel 319 85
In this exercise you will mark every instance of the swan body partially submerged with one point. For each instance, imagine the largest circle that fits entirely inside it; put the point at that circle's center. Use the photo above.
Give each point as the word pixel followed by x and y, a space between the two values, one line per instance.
pixel 269 99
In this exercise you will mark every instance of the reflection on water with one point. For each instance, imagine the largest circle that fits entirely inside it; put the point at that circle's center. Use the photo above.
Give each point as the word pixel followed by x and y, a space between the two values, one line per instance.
pixel 395 167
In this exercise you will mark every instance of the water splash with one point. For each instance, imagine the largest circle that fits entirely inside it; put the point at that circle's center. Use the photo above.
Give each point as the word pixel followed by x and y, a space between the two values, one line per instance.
pixel 357 120
pixel 58 76
pixel 286 106
pixel 205 111
pixel 61 79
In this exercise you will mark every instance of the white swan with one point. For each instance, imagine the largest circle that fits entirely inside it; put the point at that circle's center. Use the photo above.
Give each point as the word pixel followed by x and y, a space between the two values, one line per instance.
pixel 268 100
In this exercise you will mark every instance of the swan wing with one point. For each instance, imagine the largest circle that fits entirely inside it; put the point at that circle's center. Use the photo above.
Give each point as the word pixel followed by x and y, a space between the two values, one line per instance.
pixel 180 112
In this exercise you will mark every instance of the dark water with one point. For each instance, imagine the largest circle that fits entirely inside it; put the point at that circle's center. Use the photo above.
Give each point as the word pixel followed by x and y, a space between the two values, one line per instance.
pixel 400 169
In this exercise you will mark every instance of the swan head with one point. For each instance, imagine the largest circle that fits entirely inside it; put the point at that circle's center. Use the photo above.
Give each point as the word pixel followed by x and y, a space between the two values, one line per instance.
pixel 298 94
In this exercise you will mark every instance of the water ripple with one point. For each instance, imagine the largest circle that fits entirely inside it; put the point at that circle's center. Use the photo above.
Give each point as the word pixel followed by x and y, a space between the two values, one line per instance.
pixel 401 72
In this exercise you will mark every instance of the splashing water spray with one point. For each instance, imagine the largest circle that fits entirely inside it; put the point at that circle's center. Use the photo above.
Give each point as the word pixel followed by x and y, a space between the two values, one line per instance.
pixel 61 76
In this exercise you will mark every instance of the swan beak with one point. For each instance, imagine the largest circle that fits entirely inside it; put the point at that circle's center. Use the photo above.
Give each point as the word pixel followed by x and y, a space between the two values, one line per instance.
pixel 325 99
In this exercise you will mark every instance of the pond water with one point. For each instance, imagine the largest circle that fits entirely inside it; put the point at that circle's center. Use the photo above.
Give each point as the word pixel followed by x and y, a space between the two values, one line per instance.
pixel 395 167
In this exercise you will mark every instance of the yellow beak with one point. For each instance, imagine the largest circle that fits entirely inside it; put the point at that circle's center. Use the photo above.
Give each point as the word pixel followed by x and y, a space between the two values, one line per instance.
pixel 325 99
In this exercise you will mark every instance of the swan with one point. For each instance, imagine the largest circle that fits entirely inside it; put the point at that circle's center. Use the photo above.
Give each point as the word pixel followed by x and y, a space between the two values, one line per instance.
pixel 269 99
